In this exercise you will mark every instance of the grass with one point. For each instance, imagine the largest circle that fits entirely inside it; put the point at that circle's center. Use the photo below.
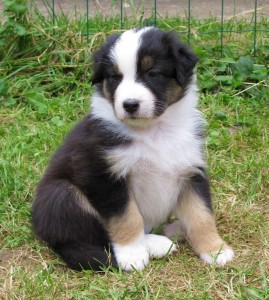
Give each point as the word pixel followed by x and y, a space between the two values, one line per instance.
pixel 45 89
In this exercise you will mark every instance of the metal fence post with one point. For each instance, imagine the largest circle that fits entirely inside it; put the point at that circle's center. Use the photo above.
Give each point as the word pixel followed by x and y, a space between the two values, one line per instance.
pixel 222 28
pixel 255 28
pixel 189 21
pixel 121 14
pixel 87 19
pixel 155 13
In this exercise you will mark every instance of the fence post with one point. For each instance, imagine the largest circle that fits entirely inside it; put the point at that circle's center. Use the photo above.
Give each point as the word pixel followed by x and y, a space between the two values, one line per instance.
pixel 189 21
pixel 53 17
pixel 121 12
pixel 87 19
pixel 155 13
pixel 255 28
pixel 222 28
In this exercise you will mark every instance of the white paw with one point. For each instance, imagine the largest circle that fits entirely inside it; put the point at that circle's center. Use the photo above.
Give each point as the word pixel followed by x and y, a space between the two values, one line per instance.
pixel 132 256
pixel 158 246
pixel 220 258
pixel 174 231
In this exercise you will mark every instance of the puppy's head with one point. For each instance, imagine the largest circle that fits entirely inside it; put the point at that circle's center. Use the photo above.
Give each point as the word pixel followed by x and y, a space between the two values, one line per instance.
pixel 142 72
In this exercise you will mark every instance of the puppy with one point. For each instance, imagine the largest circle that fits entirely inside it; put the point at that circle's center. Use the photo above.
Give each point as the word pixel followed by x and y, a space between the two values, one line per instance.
pixel 133 161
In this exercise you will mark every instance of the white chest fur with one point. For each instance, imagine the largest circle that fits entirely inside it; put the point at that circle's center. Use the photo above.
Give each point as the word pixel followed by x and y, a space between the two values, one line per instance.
pixel 160 157
pixel 155 191
pixel 156 163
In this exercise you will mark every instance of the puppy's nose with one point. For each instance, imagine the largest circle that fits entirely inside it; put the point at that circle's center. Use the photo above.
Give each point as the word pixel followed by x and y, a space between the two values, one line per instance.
pixel 131 105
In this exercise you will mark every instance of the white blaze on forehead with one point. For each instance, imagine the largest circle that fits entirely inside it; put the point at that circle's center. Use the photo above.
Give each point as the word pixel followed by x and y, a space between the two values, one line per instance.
pixel 124 55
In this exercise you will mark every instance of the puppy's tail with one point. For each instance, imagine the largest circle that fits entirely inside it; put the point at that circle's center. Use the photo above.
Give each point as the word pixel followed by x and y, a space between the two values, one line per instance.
pixel 82 256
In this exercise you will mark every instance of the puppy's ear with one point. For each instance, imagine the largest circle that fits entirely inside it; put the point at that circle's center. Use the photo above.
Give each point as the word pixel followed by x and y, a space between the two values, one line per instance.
pixel 101 59
pixel 98 58
pixel 186 61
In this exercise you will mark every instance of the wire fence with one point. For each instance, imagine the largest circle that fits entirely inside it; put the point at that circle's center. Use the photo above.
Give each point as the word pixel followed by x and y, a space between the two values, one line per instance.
pixel 224 26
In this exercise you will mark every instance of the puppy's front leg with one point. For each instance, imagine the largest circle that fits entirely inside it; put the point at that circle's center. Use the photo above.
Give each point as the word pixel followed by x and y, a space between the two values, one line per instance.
pixel 126 232
pixel 132 248
pixel 196 216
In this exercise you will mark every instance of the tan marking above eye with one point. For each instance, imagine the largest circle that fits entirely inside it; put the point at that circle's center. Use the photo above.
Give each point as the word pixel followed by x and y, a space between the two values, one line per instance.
pixel 116 69
pixel 147 63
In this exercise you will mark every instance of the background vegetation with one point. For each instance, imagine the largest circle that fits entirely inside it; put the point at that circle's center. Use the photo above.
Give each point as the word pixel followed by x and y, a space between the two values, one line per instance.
pixel 45 89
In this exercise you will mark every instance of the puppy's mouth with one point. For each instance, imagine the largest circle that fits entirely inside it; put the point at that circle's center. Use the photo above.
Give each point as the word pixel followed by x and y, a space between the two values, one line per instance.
pixel 138 119
pixel 139 122
pixel 138 116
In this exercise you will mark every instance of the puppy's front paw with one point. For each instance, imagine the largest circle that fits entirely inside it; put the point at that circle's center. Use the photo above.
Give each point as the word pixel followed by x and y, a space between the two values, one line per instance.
pixel 220 257
pixel 132 256
pixel 158 246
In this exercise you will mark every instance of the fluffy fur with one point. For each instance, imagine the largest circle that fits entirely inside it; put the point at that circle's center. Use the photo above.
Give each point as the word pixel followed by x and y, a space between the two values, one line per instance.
pixel 133 161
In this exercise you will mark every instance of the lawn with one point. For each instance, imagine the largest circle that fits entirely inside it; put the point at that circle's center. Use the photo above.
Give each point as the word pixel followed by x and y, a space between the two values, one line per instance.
pixel 45 89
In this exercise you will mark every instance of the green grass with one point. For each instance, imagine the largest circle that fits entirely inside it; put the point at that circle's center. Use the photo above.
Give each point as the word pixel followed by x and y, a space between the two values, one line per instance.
pixel 45 89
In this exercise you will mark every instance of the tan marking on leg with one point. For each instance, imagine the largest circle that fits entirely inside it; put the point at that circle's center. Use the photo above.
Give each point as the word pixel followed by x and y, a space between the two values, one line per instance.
pixel 116 69
pixel 199 224
pixel 84 203
pixel 127 227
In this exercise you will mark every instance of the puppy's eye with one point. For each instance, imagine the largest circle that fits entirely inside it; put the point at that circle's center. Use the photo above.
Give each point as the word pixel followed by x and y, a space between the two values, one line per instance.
pixel 115 77
pixel 153 74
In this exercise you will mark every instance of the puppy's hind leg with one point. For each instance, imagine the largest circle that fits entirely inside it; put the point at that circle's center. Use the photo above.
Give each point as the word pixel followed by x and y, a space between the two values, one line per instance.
pixel 64 218
pixel 196 215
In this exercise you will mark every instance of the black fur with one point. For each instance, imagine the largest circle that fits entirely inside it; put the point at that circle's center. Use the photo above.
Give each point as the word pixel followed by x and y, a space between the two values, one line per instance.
pixel 200 184
pixel 173 59
pixel 78 166
pixel 173 66
pixel 102 66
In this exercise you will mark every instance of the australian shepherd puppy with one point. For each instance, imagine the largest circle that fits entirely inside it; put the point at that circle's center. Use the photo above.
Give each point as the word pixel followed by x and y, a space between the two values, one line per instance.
pixel 136 159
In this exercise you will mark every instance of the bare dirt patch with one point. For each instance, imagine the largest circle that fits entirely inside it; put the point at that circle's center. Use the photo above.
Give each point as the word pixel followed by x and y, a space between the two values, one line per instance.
pixel 10 258
pixel 12 261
